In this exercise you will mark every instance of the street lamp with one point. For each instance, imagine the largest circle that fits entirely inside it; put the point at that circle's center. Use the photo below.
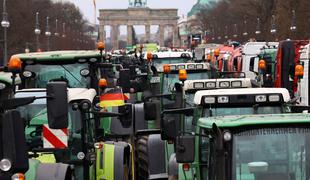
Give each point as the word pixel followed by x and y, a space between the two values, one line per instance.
pixel 293 27
pixel 235 31
pixel 257 32
pixel 5 24
pixel 273 29
pixel 63 30
pixel 37 31
pixel 245 33
pixel 48 33
pixel 56 28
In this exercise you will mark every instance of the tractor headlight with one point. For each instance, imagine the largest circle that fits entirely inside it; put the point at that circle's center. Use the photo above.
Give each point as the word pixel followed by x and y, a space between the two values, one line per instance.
pixel 199 66
pixel 224 84
pixel 2 86
pixel 93 60
pixel 236 84
pixel 198 85
pixel 5 165
pixel 274 98
pixel 222 99
pixel 209 100
pixel 260 98
pixel 227 136
pixel 210 85
pixel 18 176
pixel 191 66
pixel 82 60
pixel 85 105
pixel 84 72
pixel 27 74
pixel 181 66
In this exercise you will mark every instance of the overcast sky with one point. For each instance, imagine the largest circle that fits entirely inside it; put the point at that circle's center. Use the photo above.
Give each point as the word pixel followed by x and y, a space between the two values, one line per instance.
pixel 86 6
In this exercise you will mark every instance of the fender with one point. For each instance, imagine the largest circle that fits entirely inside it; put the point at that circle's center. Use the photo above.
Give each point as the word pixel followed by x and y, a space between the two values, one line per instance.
pixel 157 157
pixel 122 160
pixel 56 171
pixel 116 125
pixel 139 122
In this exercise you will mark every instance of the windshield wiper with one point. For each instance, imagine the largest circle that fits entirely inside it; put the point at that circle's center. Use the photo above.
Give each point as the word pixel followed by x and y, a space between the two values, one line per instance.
pixel 72 75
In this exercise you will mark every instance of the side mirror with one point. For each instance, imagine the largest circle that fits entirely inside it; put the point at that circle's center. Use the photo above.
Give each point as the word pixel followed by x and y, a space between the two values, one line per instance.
pixel 126 115
pixel 185 149
pixel 152 110
pixel 14 147
pixel 170 126
pixel 299 109
pixel 171 121
pixel 124 80
pixel 57 105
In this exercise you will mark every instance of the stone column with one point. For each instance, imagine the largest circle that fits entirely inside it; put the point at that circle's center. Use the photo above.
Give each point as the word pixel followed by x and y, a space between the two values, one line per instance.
pixel 161 35
pixel 129 35
pixel 176 39
pixel 147 33
pixel 114 36
pixel 102 33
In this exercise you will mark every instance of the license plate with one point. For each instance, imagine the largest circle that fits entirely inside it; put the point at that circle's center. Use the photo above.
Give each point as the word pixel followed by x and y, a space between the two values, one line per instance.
pixel 155 80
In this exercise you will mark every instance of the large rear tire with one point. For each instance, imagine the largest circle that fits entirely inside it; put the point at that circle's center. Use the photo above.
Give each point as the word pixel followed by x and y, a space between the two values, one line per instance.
pixel 142 159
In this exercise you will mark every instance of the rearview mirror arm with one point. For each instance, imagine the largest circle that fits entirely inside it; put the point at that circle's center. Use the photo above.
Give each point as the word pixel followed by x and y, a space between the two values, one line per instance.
pixel 14 103
pixel 167 96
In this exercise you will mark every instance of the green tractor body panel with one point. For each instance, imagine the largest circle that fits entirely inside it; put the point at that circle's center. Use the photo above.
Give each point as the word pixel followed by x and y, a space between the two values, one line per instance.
pixel 254 120
pixel 105 162
pixel 33 165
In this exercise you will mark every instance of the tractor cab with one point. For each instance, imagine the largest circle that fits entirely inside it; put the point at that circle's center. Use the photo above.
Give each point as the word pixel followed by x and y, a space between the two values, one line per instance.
pixel 229 102
pixel 14 155
pixel 77 68
pixel 253 147
pixel 169 57
pixel 174 73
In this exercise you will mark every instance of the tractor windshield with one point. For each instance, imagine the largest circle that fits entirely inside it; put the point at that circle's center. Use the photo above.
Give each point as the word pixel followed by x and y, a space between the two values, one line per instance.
pixel 243 110
pixel 158 63
pixel 271 153
pixel 171 79
pixel 43 73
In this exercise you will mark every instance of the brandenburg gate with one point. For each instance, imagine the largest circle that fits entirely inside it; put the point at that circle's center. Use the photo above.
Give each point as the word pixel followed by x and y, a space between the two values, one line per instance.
pixel 138 14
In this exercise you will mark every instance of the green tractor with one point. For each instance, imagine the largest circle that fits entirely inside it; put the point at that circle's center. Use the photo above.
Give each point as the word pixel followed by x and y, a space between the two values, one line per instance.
pixel 80 70
pixel 217 104
pixel 77 68
pixel 187 93
pixel 246 147
pixel 13 150
pixel 14 156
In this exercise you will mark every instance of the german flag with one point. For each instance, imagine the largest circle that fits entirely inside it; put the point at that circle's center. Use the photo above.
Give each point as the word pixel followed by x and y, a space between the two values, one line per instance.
pixel 113 98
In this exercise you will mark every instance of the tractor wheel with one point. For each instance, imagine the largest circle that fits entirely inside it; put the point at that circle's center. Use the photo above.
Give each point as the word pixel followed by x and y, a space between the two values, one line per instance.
pixel 142 159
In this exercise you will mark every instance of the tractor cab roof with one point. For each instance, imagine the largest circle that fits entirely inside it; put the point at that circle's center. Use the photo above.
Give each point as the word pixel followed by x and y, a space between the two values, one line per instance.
pixel 174 68
pixel 207 84
pixel 253 120
pixel 242 96
pixel 80 56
